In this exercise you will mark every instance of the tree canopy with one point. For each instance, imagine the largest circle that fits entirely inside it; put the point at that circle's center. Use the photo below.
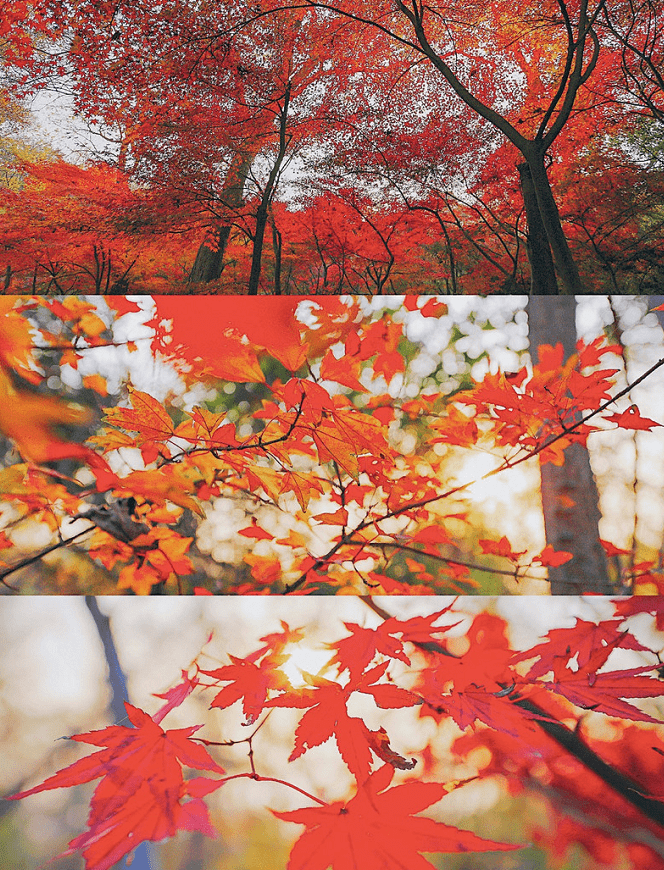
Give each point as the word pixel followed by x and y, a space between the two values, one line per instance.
pixel 313 147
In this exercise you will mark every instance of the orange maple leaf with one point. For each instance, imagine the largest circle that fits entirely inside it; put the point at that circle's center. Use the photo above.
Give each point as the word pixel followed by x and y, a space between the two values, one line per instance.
pixel 30 421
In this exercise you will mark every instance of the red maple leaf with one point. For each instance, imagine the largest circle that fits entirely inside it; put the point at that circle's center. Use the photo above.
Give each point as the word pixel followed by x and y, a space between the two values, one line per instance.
pixel 377 829
pixel 606 691
pixel 354 653
pixel 176 695
pixel 140 795
pixel 500 548
pixel 328 715
pixel 551 558
pixel 250 682
pixel 632 419
pixel 579 643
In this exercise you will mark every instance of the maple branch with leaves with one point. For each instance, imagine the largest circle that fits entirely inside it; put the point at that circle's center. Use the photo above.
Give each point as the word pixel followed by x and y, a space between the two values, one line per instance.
pixel 317 443
pixel 524 707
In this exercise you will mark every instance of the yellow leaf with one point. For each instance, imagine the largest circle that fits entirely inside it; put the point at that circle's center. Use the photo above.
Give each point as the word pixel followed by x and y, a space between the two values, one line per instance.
pixel 267 478
pixel 139 579
pixel 301 485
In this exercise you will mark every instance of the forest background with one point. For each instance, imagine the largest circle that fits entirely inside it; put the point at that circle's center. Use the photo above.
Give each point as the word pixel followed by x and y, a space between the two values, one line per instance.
pixel 332 147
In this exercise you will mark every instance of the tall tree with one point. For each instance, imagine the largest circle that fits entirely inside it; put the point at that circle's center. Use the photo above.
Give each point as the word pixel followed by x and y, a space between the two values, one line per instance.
pixel 570 500
pixel 552 68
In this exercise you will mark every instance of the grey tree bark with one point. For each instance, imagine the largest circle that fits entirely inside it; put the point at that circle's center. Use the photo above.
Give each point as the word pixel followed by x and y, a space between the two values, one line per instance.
pixel 570 500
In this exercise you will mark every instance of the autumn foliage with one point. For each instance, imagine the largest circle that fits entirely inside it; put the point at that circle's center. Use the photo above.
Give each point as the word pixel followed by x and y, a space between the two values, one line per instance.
pixel 436 148
pixel 311 454
pixel 571 718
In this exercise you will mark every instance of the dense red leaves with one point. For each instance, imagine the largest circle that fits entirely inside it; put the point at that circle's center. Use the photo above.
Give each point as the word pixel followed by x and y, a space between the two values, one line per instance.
pixel 533 730
pixel 203 121
pixel 355 652
pixel 321 441
pixel 142 795
pixel 526 409
pixel 377 829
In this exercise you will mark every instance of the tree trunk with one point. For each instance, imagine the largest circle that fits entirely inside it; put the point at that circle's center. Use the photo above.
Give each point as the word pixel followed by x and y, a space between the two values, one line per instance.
pixel 570 501
pixel 542 270
pixel 209 261
pixel 268 193
pixel 276 247
pixel 565 265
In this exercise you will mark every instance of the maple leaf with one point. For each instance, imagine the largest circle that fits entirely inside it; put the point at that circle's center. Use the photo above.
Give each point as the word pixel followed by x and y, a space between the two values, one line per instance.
pixel 377 829
pixel 255 531
pixel 31 420
pixel 606 691
pixel 301 485
pixel 500 548
pixel 579 642
pixel 632 419
pixel 354 653
pixel 343 371
pixel 147 417
pixel 176 695
pixel 140 795
pixel 250 682
pixel 551 558
pixel 328 715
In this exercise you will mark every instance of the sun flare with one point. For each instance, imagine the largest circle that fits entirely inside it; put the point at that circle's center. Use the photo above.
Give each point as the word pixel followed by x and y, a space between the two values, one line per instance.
pixel 303 659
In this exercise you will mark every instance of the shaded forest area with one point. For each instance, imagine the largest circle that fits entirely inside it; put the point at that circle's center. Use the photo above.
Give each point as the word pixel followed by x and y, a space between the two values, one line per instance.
pixel 370 148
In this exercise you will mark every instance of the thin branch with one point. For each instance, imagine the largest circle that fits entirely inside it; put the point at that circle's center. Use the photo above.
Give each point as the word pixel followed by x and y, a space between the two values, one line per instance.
pixel 63 542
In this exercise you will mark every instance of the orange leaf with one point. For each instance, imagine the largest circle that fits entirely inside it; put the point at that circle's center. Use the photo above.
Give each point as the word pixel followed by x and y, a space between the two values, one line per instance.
pixel 147 416
pixel 30 420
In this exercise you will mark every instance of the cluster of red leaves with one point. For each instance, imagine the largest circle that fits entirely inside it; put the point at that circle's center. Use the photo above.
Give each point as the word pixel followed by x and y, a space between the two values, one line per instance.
pixel 541 410
pixel 320 445
pixel 486 691
pixel 142 794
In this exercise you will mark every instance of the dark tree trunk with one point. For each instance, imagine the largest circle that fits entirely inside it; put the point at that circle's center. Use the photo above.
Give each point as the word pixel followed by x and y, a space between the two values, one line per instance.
pixel 209 262
pixel 566 267
pixel 542 271
pixel 570 501
pixel 266 199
